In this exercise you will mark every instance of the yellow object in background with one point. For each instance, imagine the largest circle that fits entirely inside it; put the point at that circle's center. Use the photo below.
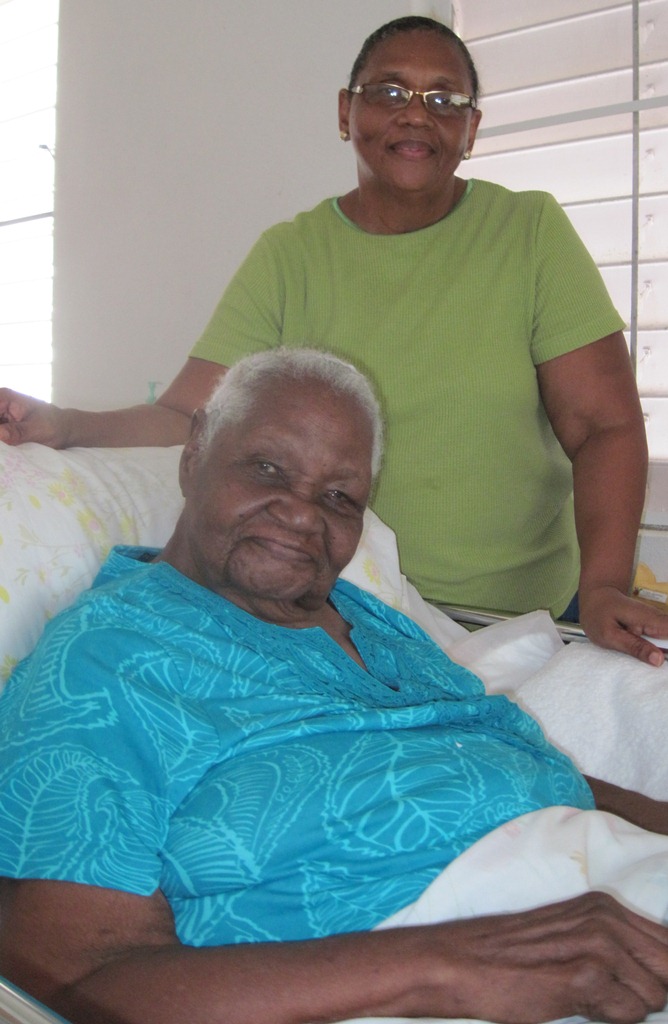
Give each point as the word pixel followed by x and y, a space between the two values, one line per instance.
pixel 647 588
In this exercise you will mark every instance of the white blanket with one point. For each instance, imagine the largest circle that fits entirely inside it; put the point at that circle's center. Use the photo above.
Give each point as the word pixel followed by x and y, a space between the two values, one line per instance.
pixel 607 711
pixel 541 858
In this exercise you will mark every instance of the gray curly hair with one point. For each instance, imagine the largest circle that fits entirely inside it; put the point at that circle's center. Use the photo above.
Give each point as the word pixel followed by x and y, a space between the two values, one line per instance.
pixel 241 383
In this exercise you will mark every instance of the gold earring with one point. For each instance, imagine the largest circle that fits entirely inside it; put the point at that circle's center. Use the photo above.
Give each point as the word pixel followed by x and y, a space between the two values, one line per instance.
pixel 344 136
pixel 467 154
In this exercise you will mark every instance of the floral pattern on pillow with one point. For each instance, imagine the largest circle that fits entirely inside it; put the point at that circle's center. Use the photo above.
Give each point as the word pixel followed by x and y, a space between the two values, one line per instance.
pixel 60 513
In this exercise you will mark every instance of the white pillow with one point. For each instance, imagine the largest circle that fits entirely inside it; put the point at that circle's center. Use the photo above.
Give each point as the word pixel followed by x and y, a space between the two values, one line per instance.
pixel 60 513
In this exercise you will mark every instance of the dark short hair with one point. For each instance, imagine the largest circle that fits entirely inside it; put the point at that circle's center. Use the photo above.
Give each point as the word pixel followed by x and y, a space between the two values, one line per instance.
pixel 413 23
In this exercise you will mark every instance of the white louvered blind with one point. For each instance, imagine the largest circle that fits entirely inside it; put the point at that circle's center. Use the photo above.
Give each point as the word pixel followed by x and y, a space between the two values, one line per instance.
pixel 28 58
pixel 575 101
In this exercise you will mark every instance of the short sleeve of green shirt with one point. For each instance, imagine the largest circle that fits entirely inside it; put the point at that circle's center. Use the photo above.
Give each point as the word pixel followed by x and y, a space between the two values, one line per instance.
pixel 572 305
pixel 248 317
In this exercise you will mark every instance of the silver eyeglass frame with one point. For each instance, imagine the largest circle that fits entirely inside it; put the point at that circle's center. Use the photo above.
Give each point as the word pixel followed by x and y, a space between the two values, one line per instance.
pixel 461 100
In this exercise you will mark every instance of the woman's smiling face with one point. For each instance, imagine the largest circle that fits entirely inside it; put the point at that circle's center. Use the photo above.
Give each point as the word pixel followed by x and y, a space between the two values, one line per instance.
pixel 275 504
pixel 410 149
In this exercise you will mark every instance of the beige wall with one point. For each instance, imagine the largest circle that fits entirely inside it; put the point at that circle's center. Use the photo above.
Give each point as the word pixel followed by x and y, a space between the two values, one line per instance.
pixel 184 129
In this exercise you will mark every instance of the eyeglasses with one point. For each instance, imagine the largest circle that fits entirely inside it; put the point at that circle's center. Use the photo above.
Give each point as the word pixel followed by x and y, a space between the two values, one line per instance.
pixel 394 97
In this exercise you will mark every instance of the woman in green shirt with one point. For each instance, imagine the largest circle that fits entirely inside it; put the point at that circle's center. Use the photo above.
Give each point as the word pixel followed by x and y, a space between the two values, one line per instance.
pixel 516 461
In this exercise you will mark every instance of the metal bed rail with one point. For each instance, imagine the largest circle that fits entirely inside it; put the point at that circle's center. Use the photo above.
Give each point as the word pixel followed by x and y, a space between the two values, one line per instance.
pixel 17 1007
pixel 568 631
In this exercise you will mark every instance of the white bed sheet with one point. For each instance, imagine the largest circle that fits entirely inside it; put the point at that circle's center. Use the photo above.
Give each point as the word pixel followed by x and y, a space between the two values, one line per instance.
pixel 607 711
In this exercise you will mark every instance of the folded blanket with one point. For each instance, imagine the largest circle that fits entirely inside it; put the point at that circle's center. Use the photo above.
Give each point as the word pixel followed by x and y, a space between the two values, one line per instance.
pixel 607 711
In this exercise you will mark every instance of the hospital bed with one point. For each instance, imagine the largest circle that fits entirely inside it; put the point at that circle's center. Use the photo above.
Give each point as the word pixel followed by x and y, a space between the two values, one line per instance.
pixel 61 511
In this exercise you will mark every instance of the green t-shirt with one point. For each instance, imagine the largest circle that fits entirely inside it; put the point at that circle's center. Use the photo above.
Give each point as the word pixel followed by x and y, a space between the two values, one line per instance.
pixel 449 323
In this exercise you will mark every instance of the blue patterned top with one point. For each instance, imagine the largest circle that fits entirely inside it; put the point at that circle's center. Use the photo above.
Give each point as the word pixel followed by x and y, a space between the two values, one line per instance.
pixel 273 789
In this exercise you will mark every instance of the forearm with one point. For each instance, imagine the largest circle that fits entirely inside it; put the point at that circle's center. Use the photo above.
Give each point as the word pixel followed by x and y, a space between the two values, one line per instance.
pixel 106 957
pixel 136 426
pixel 609 476
pixel 514 967
pixel 610 472
pixel 167 422
pixel 369 974
pixel 634 807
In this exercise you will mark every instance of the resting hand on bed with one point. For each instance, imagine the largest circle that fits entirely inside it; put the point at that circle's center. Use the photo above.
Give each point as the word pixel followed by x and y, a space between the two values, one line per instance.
pixel 115 956
pixel 592 402
pixel 23 418
pixel 588 956
pixel 613 620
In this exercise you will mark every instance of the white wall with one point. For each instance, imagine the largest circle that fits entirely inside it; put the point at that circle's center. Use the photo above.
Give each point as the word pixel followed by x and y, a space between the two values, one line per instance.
pixel 184 129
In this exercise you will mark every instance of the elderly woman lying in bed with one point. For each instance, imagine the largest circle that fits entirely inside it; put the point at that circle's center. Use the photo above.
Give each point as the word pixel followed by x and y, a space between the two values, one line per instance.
pixel 221 747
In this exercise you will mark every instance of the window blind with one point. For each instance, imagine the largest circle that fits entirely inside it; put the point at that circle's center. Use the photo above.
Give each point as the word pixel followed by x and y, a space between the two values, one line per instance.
pixel 575 101
pixel 28 58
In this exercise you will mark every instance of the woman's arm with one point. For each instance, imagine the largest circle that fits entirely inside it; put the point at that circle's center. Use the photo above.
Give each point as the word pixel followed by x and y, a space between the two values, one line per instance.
pixel 637 808
pixel 104 957
pixel 166 422
pixel 592 402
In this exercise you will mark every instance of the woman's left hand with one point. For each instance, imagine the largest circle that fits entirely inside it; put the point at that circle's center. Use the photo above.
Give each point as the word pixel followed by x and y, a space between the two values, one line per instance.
pixel 591 399
pixel 611 619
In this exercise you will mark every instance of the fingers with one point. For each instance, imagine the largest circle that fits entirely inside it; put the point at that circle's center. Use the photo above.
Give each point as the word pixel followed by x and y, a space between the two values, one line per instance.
pixel 617 622
pixel 637 647
pixel 636 963
pixel 23 418
pixel 588 956
pixel 619 998
pixel 12 411
pixel 10 432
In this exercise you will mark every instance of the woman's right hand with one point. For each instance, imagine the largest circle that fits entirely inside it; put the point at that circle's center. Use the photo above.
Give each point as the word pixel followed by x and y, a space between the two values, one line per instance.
pixel 23 418
pixel 588 956
pixel 165 422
